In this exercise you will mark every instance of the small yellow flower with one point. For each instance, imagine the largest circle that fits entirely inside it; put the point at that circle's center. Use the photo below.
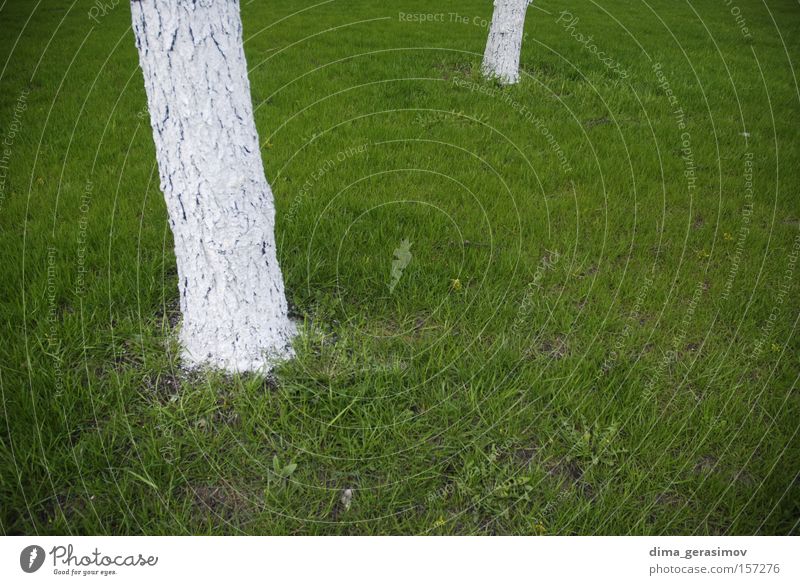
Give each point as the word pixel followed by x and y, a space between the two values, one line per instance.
pixel 727 236
pixel 455 284
pixel 701 254
pixel 776 348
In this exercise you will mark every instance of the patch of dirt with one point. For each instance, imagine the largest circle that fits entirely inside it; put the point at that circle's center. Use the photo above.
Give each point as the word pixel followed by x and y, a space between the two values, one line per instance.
pixel 219 499
pixel 555 348
pixel 744 479
pixel 525 455
pixel 68 505
pixel 564 470
pixel 596 122
pixel 569 473
pixel 169 314
pixel 225 413
pixel 128 356
pixel 668 499
pixel 662 506
pixel 270 383
pixel 706 464
pixel 164 386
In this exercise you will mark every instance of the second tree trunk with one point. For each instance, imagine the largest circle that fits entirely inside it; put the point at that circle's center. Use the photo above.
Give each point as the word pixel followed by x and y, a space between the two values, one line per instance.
pixel 501 58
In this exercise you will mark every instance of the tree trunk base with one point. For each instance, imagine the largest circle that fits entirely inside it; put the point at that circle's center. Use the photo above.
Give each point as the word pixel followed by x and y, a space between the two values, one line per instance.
pixel 243 354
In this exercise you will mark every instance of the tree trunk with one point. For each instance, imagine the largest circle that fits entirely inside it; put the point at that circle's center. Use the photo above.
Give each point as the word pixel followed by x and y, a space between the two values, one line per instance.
pixel 220 205
pixel 501 58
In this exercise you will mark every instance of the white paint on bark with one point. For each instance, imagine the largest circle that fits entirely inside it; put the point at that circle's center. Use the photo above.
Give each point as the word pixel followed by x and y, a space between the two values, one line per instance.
pixel 221 208
pixel 501 58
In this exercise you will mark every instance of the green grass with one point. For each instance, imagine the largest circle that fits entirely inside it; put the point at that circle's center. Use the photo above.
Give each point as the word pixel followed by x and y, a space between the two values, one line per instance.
pixel 618 355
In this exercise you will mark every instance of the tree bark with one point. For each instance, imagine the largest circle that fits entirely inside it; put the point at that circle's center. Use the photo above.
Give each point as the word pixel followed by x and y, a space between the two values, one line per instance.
pixel 501 58
pixel 220 206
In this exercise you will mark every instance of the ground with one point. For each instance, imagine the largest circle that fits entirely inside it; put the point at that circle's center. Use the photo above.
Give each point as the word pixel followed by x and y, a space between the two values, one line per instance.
pixel 564 307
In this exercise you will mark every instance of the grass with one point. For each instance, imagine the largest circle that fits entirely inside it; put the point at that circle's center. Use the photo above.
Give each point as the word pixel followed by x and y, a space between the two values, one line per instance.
pixel 596 332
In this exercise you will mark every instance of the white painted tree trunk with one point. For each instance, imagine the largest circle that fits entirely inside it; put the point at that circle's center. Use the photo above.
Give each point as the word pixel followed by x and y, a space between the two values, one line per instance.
pixel 220 205
pixel 501 58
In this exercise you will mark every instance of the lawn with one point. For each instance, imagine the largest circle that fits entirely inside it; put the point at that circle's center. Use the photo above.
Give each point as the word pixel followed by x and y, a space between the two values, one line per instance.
pixel 565 307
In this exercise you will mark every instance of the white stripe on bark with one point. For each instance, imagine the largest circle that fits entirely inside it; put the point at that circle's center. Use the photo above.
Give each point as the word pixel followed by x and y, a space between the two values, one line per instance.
pixel 501 58
pixel 220 205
